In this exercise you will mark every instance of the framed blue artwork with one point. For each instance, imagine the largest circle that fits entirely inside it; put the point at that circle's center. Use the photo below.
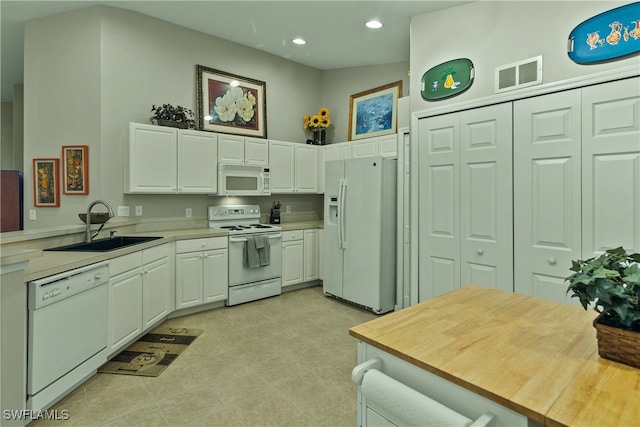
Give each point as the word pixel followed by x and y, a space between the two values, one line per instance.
pixel 374 112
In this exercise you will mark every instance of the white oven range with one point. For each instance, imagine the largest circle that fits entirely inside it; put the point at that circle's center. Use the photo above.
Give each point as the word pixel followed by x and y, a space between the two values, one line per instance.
pixel 249 278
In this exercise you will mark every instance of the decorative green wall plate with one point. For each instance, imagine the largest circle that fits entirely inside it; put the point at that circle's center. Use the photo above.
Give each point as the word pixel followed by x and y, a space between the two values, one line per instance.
pixel 448 79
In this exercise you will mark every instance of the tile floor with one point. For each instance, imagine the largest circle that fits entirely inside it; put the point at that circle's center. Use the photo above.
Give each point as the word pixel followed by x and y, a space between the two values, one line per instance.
pixel 282 361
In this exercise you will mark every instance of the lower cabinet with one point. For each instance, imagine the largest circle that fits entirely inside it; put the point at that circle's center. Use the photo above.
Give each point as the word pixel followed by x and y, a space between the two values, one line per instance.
pixel 202 271
pixel 300 256
pixel 140 293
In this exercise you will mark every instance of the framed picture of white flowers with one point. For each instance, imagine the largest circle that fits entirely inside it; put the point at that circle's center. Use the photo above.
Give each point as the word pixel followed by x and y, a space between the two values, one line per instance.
pixel 229 103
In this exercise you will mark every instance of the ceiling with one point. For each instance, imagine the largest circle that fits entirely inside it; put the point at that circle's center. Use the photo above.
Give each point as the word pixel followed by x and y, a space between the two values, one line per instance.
pixel 334 30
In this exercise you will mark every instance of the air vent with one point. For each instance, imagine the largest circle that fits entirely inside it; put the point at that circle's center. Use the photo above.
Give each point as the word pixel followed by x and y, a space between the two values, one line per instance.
pixel 520 74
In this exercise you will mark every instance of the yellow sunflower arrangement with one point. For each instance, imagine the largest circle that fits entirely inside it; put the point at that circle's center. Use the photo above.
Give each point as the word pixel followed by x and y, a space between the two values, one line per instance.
pixel 317 121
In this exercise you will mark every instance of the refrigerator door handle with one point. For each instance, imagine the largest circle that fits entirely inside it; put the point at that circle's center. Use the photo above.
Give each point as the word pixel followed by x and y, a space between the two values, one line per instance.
pixel 343 229
pixel 340 214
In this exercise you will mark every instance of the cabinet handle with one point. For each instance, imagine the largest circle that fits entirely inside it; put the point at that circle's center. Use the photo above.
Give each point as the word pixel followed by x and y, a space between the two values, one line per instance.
pixel 552 261
pixel 480 251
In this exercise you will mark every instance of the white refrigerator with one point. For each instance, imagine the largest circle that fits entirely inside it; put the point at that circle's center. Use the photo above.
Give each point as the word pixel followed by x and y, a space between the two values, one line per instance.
pixel 360 232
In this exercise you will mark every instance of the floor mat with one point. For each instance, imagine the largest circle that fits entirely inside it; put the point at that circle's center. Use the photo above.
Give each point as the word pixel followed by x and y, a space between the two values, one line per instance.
pixel 152 353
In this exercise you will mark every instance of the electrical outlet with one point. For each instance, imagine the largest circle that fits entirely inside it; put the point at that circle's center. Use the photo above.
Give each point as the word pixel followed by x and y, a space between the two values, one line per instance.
pixel 288 209
pixel 32 214
pixel 138 210
pixel 123 210
pixel 188 213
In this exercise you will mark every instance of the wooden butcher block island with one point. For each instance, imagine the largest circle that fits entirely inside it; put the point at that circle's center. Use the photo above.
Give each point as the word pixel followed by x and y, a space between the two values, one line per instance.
pixel 536 359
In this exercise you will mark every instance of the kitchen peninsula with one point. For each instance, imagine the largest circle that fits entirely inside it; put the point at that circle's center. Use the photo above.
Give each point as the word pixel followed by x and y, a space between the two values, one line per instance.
pixel 536 359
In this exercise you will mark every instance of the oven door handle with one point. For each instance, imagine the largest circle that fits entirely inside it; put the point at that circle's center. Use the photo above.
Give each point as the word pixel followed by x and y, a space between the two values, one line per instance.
pixel 244 239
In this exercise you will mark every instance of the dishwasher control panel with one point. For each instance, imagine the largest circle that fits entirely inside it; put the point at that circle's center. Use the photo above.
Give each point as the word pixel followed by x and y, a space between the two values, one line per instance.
pixel 52 289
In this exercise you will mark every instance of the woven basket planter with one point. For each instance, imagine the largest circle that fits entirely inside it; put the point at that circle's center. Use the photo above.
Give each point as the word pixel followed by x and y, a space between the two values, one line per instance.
pixel 619 345
pixel 171 123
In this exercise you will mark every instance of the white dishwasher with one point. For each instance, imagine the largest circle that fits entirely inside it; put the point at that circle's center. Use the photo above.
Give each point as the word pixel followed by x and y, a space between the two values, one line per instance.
pixel 67 332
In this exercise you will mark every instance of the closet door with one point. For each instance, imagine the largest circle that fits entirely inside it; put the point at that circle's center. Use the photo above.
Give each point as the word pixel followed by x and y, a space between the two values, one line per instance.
pixel 547 205
pixel 439 205
pixel 611 167
pixel 486 197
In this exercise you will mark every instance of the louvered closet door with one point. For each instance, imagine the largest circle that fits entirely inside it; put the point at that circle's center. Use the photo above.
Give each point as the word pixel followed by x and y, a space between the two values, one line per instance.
pixel 611 166
pixel 439 205
pixel 486 197
pixel 547 193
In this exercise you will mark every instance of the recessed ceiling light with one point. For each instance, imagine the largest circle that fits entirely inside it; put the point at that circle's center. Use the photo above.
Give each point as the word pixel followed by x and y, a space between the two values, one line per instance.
pixel 299 41
pixel 373 24
pixel 234 83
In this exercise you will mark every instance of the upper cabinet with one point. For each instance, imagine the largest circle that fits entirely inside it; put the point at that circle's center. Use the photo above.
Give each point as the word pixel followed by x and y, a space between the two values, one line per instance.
pixel 293 167
pixel 233 149
pixel 184 161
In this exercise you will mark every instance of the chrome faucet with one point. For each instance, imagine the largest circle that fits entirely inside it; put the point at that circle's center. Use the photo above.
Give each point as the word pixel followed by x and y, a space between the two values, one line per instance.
pixel 88 237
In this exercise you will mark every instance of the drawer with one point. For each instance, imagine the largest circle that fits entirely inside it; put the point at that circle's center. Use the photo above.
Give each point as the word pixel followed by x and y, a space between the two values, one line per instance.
pixel 194 245
pixel 125 263
pixel 289 236
pixel 155 253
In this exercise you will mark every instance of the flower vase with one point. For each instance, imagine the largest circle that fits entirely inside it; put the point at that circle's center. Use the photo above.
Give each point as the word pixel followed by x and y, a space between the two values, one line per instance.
pixel 319 137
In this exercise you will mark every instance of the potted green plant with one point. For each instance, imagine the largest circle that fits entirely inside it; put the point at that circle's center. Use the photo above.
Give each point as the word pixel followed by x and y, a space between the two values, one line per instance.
pixel 168 115
pixel 611 282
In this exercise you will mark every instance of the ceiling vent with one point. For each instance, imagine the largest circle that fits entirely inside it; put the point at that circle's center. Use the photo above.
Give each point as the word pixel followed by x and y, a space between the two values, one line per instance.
pixel 527 72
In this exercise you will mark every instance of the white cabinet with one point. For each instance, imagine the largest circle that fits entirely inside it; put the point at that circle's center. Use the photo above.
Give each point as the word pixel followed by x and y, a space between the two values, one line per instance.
pixel 311 255
pixel 292 257
pixel 165 160
pixel 240 150
pixel 576 185
pixel 367 147
pixel 465 196
pixel 321 254
pixel 151 142
pixel 293 167
pixel 197 162
pixel 342 151
pixel 202 271
pixel 300 256
pixel 388 145
pixel 140 293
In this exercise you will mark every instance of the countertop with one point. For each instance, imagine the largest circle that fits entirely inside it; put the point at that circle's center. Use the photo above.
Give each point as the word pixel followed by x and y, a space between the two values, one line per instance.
pixel 47 263
pixel 534 356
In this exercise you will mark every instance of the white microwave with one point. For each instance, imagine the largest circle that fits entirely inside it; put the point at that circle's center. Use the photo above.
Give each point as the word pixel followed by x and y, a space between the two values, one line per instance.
pixel 242 180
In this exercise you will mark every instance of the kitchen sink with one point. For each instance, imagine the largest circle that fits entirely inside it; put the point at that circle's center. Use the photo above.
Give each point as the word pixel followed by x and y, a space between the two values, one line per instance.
pixel 104 245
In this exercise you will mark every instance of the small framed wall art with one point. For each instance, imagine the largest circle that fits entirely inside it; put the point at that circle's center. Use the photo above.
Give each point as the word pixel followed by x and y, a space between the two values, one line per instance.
pixel 75 169
pixel 229 103
pixel 46 188
pixel 374 112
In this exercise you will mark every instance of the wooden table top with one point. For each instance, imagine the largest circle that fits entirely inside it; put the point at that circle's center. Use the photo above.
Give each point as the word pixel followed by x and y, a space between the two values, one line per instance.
pixel 534 356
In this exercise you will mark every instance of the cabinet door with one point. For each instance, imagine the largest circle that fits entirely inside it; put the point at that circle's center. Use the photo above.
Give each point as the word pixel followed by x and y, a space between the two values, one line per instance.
pixel 486 202
pixel 157 291
pixel 281 156
pixel 125 308
pixel 325 153
pixel 230 149
pixel 367 147
pixel 151 142
pixel 342 151
pixel 439 205
pixel 547 208
pixel 189 279
pixel 311 255
pixel 306 166
pixel 611 167
pixel 256 151
pixel 197 162
pixel 215 275
pixel 292 262
pixel 321 254
pixel 388 145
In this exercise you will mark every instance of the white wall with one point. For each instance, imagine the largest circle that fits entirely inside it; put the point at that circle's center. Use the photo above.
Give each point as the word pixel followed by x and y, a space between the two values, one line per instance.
pixel 493 33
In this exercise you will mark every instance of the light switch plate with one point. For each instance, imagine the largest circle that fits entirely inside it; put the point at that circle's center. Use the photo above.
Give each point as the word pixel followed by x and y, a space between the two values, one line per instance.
pixel 188 213
pixel 138 210
pixel 123 210
pixel 32 214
